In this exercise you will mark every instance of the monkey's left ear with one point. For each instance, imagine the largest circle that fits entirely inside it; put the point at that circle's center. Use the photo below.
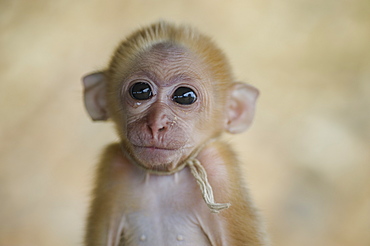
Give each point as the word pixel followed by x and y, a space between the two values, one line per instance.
pixel 94 95
pixel 241 107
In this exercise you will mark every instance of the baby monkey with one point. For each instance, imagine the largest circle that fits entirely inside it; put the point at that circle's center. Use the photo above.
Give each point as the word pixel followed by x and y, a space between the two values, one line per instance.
pixel 170 180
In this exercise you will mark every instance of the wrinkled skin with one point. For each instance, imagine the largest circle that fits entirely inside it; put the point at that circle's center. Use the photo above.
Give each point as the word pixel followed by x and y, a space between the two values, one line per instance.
pixel 160 132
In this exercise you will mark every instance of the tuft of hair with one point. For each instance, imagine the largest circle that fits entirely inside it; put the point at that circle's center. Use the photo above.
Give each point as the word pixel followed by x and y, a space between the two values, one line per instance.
pixel 164 32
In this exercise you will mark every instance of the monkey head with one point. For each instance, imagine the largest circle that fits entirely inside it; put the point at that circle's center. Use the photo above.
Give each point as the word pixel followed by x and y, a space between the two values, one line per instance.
pixel 168 90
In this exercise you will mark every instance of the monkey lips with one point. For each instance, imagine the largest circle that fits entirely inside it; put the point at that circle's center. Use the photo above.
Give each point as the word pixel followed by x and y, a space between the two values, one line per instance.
pixel 160 158
pixel 165 152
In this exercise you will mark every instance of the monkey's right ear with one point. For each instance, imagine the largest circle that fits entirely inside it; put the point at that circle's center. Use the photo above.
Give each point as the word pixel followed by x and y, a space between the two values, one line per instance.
pixel 95 95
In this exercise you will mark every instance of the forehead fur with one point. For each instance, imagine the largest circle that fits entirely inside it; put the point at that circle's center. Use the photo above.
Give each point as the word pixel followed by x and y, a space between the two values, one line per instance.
pixel 146 38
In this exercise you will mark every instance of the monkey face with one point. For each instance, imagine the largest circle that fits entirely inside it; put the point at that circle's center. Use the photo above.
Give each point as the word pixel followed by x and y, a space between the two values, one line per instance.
pixel 167 104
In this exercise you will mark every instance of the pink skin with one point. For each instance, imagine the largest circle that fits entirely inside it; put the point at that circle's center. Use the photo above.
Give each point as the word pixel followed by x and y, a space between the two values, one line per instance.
pixel 160 132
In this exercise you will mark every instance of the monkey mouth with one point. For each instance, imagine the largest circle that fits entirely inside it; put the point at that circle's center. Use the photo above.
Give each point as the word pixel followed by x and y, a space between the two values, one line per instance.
pixel 159 157
pixel 153 148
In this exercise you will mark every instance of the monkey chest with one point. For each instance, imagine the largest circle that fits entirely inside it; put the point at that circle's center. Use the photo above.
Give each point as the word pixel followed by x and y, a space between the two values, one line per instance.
pixel 162 229
pixel 165 212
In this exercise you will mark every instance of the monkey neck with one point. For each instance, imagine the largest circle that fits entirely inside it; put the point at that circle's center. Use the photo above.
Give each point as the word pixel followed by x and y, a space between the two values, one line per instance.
pixel 198 172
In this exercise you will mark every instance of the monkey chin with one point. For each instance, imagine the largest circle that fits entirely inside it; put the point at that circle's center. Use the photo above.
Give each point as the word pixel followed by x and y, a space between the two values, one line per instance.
pixel 160 159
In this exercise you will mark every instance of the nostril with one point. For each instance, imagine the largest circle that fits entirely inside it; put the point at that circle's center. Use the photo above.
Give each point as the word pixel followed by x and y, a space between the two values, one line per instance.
pixel 156 129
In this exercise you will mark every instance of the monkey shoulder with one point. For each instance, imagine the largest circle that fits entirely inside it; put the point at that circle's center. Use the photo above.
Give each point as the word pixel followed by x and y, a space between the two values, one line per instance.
pixel 114 165
pixel 225 173
pixel 228 181
pixel 220 161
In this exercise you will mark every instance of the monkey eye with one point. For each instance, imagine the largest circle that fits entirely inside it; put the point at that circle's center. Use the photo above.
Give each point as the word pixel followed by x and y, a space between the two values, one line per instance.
pixel 184 96
pixel 141 91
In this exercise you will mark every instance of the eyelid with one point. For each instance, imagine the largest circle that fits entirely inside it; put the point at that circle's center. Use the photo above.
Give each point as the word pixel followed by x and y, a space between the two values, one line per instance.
pixel 190 86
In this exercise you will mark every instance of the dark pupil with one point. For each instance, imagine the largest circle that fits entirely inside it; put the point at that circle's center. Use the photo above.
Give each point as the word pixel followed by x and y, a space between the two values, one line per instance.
pixel 184 95
pixel 141 91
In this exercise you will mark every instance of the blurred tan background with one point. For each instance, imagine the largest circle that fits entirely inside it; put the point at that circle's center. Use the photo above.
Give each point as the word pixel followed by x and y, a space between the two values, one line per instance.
pixel 307 157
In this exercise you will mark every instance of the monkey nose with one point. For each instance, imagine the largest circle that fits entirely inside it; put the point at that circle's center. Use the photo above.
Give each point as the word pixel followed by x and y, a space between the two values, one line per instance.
pixel 157 123
pixel 157 119
pixel 157 127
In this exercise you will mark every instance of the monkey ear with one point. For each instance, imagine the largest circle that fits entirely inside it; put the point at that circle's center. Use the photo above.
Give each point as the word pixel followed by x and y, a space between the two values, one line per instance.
pixel 241 107
pixel 94 95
